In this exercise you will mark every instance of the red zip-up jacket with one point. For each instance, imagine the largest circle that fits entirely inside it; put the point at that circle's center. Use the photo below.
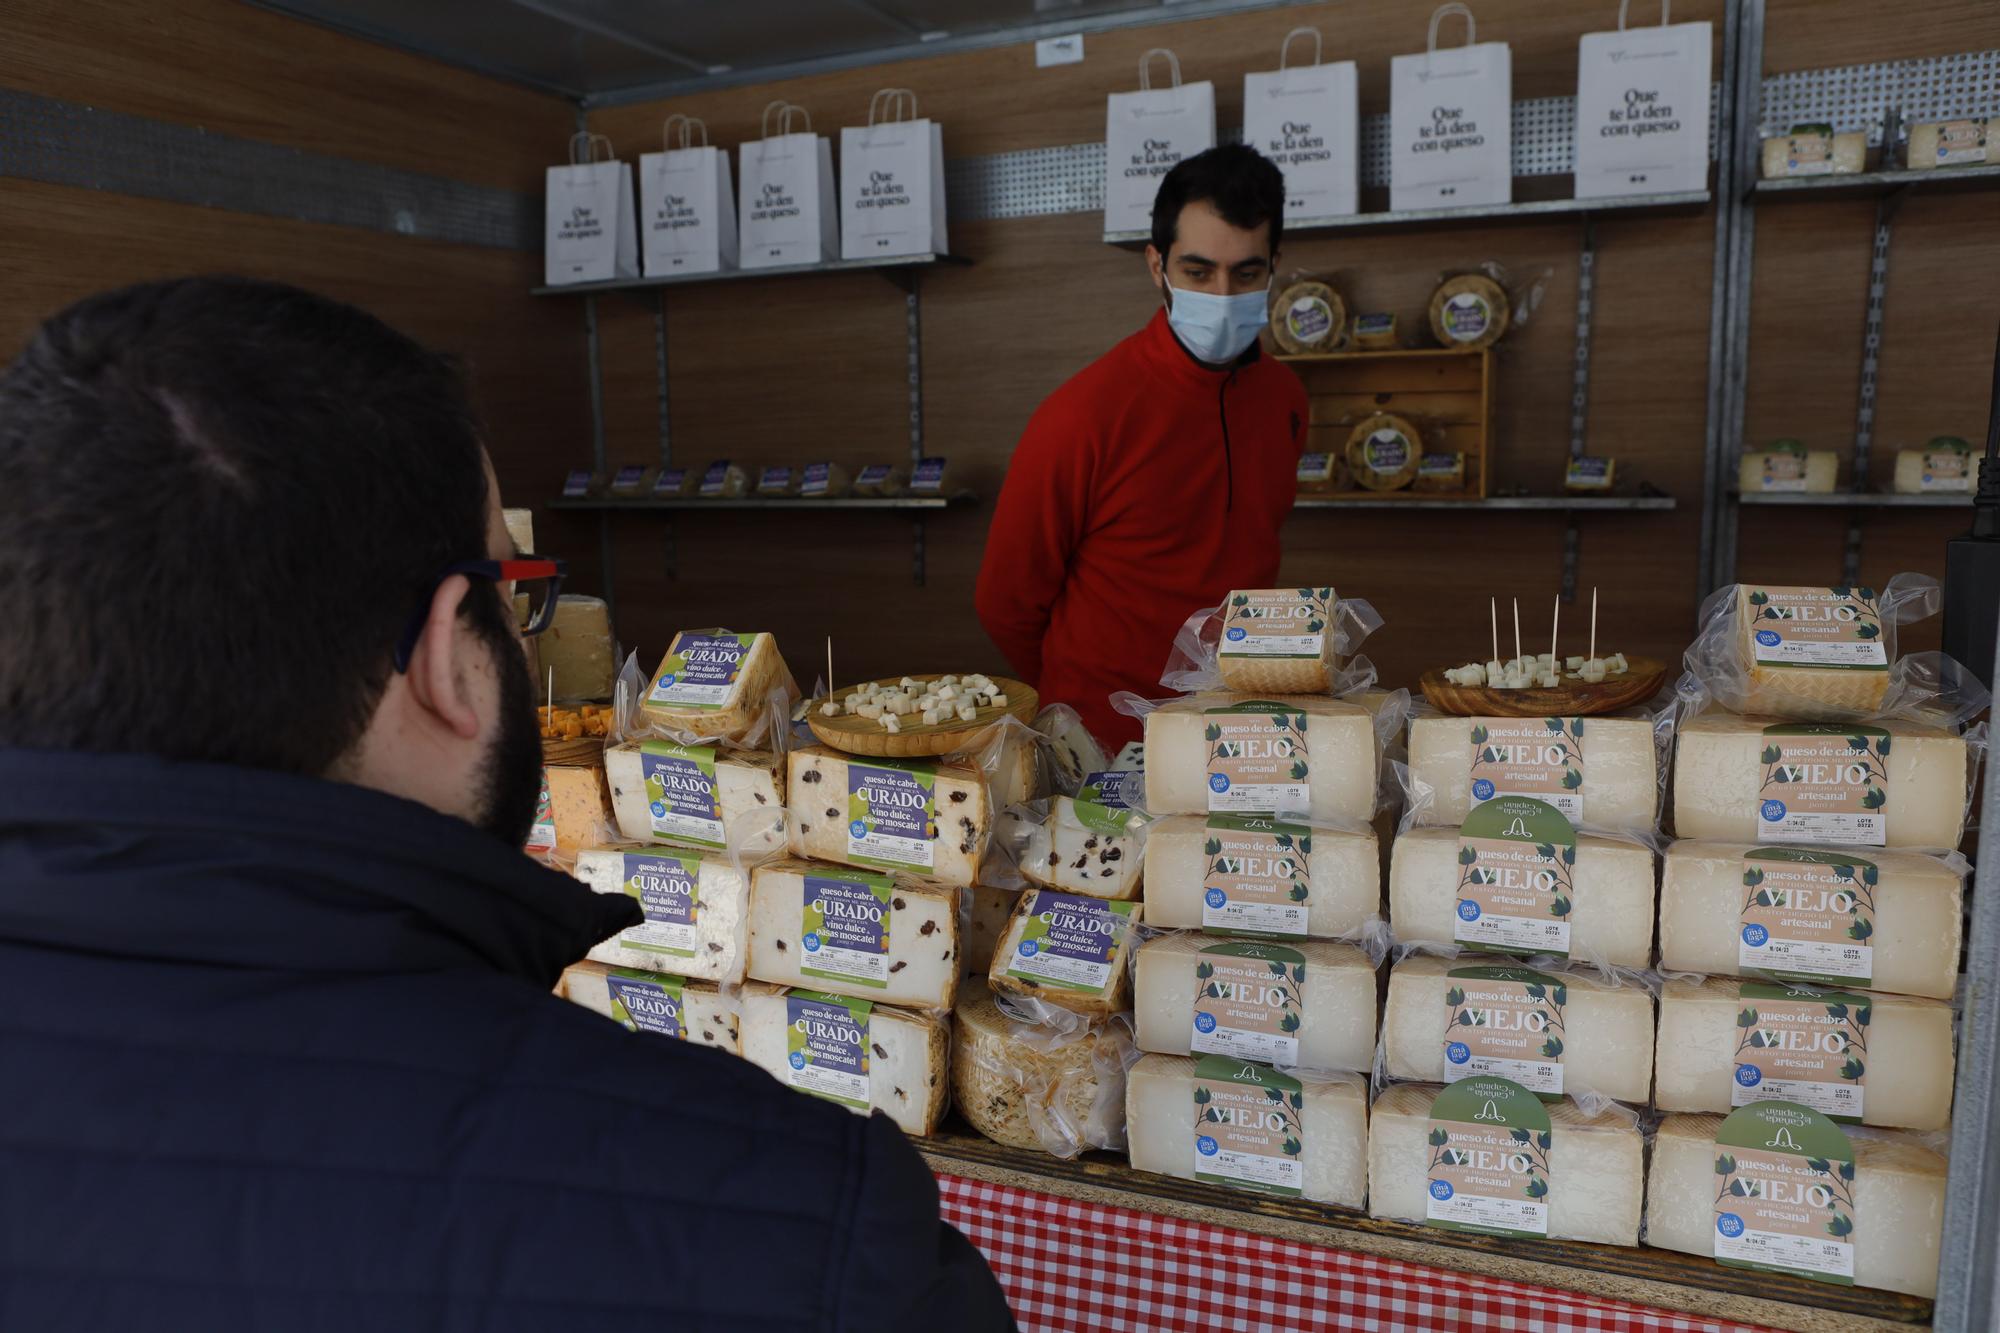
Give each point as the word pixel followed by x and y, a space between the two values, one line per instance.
pixel 1142 490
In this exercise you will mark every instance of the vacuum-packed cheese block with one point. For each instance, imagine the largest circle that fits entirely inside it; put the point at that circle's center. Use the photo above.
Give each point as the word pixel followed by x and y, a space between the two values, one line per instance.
pixel 1257 889
pixel 1468 311
pixel 1328 1122
pixel 1306 1005
pixel 671 482
pixel 880 937
pixel 697 911
pixel 1374 333
pixel 888 814
pixel 1308 318
pixel 861 1055
pixel 1073 753
pixel 1383 451
pixel 650 1002
pixel 1954 143
pixel 1801 653
pixel 1015 775
pixel 1575 1033
pixel 629 481
pixel 723 481
pixel 1067 950
pixel 1815 150
pixel 1940 468
pixel 1035 1088
pixel 742 794
pixel 1082 848
pixel 1316 473
pixel 577 647
pixel 1440 472
pixel 1596 1172
pixel 1779 471
pixel 824 481
pixel 1898 1198
pixel 985 920
pixel 1912 939
pixel 1253 766
pixel 580 807
pixel 520 529
pixel 1619 772
pixel 927 476
pixel 777 482
pixel 1278 641
pixel 714 683
pixel 1725 1043
pixel 1610 921
pixel 1725 789
pixel 881 479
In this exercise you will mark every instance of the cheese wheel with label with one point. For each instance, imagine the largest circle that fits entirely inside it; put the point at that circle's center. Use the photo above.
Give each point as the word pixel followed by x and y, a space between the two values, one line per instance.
pixel 718 935
pixel 1343 877
pixel 1620 770
pixel 1945 466
pixel 818 801
pixel 917 965
pixel 909 1073
pixel 1334 1005
pixel 1384 452
pixel 1308 318
pixel 1022 1086
pixel 706 1018
pixel 1340 742
pixel 746 783
pixel 1469 311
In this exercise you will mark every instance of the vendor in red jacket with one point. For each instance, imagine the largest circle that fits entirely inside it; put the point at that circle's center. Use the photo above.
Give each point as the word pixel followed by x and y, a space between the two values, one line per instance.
pixel 1156 479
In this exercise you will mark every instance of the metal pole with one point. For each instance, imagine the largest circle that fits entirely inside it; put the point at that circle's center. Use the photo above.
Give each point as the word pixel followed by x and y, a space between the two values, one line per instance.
pixel 1871 353
pixel 1714 484
pixel 1748 76
pixel 666 416
pixel 913 328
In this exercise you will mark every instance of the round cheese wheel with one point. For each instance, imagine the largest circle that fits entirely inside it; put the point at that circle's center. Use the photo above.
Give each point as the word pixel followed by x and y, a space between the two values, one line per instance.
pixel 1033 1091
pixel 1469 311
pixel 1308 317
pixel 1383 452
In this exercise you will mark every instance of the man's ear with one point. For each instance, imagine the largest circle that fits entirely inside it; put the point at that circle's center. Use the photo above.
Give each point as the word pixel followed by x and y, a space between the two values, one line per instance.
pixel 1156 264
pixel 439 664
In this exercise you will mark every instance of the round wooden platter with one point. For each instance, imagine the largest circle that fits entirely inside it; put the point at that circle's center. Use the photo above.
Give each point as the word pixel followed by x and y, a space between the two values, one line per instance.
pixel 1640 681
pixel 865 735
pixel 573 752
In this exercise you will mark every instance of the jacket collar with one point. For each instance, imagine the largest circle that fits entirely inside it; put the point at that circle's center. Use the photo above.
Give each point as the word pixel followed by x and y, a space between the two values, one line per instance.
pixel 147 858
pixel 1163 351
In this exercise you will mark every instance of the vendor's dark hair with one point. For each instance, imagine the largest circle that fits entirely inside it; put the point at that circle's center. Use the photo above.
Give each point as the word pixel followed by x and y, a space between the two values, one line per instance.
pixel 1241 183
pixel 220 501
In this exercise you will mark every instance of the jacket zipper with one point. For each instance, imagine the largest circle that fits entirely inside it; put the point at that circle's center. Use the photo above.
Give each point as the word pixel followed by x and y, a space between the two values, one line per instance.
pixel 1228 457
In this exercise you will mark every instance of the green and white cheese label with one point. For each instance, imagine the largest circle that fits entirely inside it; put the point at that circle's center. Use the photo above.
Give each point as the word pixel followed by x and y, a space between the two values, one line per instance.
pixel 645 1002
pixel 892 814
pixel 1069 941
pixel 1516 878
pixel 1257 878
pixel 1249 1126
pixel 844 933
pixel 1784 1193
pixel 1837 627
pixel 1807 916
pixel 1529 756
pixel 1259 760
pixel 1505 1022
pixel 1804 1045
pixel 683 798
pixel 1248 1002
pixel 1282 623
pixel 1824 783
pixel 827 1046
pixel 668 890
pixel 1107 802
pixel 700 670
pixel 1488 1171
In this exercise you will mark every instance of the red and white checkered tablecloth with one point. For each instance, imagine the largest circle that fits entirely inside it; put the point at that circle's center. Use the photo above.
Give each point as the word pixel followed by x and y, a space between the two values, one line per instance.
pixel 1071 1267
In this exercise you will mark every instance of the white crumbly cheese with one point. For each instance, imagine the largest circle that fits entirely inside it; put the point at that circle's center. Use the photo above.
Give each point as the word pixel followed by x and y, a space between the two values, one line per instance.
pixel 919 966
pixel 679 699
pixel 908 1073
pixel 717 938
pixel 1620 770
pixel 1333 1007
pixel 1612 919
pixel 747 785
pixel 818 800
pixel 984 922
pixel 1160 1129
pixel 1061 851
pixel 1718 780
pixel 1034 1088
pixel 1898 1201
pixel 705 1018
pixel 1344 877
pixel 1027 962
pixel 1907 1079
pixel 1596 1167
pixel 1073 752
pixel 1606 1033
pixel 1341 752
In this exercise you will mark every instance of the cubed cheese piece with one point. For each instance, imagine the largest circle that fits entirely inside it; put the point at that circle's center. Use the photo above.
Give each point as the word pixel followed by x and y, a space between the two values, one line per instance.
pixel 1160 1128
pixel 908 1070
pixel 753 812
pixel 577 647
pixel 1343 878
pixel 1907 1062
pixel 1620 770
pixel 1718 780
pixel 820 824
pixel 581 809
pixel 714 683
pixel 1898 1201
pixel 1198 995
pixel 1954 143
pixel 1278 641
pixel 701 1015
pixel 912 961
pixel 1935 471
pixel 1063 851
pixel 1068 951
pixel 1817 472
pixel 1033 1088
pixel 1340 744
pixel 520 528
pixel 1815 151
pixel 1917 923
pixel 1596 1170
pixel 1612 919
pixel 985 920
pixel 711 946
pixel 1606 1033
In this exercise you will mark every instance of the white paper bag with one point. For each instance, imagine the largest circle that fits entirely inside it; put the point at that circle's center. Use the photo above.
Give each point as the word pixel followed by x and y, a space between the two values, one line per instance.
pixel 687 204
pixel 892 181
pixel 1642 108
pixel 1306 119
pixel 1145 134
pixel 785 199
pixel 588 219
pixel 1451 122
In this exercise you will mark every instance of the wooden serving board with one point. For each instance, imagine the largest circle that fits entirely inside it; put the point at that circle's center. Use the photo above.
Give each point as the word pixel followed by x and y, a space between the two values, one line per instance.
pixel 864 735
pixel 577 752
pixel 1573 698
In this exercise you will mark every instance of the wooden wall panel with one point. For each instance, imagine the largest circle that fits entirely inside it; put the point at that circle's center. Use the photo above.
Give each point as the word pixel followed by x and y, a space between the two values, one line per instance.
pixel 1821 34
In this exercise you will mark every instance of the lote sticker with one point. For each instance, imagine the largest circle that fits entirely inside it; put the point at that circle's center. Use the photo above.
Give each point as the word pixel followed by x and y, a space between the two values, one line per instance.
pixel 645 1003
pixel 1804 1045
pixel 683 799
pixel 542 833
pixel 1248 1002
pixel 1839 627
pixel 1808 916
pixel 1286 623
pixel 826 1041
pixel 1488 1142
pixel 1516 878
pixel 1505 1022
pixel 716 479
pixel 668 890
pixel 1822 782
pixel 1527 756
pixel 1784 1193
pixel 1259 760
pixel 1257 878
pixel 701 669
pixel 1249 1126
pixel 576 484
pixel 844 932
pixel 892 814
pixel 1070 942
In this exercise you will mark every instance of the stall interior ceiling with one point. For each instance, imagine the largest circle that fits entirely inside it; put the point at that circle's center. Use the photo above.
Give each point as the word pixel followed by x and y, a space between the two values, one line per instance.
pixel 604 52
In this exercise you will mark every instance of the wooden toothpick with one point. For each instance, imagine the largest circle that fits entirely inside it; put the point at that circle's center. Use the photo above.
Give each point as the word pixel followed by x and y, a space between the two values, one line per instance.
pixel 1517 630
pixel 551 715
pixel 1555 662
pixel 1493 614
pixel 829 666
pixel 1593 623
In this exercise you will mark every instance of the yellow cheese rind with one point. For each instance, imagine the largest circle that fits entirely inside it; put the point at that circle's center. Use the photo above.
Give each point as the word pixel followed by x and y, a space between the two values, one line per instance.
pixel 1620 770
pixel 1340 741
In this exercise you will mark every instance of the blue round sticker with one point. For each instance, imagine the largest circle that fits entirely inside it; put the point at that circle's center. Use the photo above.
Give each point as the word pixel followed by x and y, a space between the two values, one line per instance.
pixel 1206 1146
pixel 1028 948
pixel 1215 898
pixel 1441 1190
pixel 858 829
pixel 1468 910
pixel 1218 782
pixel 1236 635
pixel 1773 811
pixel 1204 1022
pixel 667 682
pixel 1730 1225
pixel 659 809
pixel 1748 1076
pixel 1483 789
pixel 1457 1052
pixel 811 941
pixel 798 1059
pixel 1768 637
pixel 1755 936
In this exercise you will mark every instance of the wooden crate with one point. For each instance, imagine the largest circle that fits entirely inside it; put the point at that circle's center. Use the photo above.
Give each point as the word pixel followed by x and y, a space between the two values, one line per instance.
pixel 1448 393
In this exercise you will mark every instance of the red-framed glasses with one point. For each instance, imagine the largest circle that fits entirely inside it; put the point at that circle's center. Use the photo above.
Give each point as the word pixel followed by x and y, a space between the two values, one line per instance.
pixel 536 578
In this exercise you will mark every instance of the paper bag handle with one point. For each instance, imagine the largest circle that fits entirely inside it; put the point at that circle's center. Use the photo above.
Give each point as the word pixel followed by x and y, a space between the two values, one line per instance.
pixel 1285 50
pixel 1666 12
pixel 1146 68
pixel 688 124
pixel 784 110
pixel 890 103
pixel 1446 11
pixel 583 146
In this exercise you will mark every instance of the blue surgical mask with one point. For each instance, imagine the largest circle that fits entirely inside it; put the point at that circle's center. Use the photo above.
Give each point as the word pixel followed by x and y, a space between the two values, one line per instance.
pixel 1217 329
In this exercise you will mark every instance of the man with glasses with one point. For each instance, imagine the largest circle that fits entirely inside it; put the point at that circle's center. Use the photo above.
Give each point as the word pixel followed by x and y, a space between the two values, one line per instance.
pixel 277 1047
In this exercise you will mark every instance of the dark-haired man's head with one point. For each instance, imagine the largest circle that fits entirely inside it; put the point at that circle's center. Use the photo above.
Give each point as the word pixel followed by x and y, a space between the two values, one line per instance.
pixel 1217 222
pixel 221 501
